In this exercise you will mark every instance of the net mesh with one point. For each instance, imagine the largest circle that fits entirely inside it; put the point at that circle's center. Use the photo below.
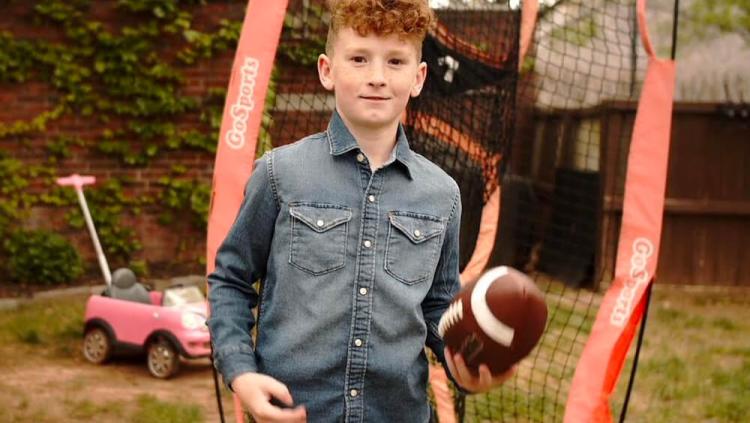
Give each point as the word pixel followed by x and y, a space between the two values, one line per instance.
pixel 463 119
pixel 541 133
pixel 585 58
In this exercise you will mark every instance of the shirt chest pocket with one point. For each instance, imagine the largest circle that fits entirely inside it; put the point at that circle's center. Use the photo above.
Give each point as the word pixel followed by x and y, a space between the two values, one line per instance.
pixel 413 246
pixel 318 236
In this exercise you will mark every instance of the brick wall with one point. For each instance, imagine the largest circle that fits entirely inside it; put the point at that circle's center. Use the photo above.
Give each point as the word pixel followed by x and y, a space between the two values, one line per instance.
pixel 178 244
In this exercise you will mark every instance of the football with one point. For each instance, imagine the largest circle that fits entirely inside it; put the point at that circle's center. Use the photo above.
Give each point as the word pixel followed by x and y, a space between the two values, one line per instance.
pixel 496 320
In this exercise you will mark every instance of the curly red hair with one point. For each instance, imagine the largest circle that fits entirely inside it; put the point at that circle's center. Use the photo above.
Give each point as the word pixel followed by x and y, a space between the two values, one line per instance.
pixel 409 19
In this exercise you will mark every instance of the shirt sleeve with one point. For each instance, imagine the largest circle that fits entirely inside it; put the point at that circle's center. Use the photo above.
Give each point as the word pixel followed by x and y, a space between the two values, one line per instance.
pixel 240 261
pixel 445 285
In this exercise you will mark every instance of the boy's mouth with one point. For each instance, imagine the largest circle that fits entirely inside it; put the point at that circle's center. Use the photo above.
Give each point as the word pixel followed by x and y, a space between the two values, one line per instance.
pixel 374 97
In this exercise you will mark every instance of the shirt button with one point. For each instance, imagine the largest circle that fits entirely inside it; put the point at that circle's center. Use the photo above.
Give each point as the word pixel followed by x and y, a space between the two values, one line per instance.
pixel 358 342
pixel 363 291
pixel 353 393
pixel 360 157
pixel 368 244
pixel 371 198
pixel 417 233
pixel 321 223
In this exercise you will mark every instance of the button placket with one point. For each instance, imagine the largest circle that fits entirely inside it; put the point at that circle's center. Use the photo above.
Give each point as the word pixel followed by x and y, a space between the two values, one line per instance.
pixel 362 313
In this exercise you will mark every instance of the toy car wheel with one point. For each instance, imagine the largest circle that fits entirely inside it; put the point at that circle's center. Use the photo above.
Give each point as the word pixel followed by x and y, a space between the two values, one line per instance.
pixel 163 358
pixel 97 346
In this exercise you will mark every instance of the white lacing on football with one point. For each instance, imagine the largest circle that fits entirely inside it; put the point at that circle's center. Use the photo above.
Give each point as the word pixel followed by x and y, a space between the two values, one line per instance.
pixel 490 325
pixel 453 315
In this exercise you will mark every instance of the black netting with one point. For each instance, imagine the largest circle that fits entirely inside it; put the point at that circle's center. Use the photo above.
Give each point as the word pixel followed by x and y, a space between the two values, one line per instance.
pixel 463 119
pixel 540 133
pixel 582 68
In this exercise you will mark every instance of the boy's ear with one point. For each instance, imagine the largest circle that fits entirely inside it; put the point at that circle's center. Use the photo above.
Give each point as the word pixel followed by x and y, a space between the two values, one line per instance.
pixel 419 80
pixel 324 72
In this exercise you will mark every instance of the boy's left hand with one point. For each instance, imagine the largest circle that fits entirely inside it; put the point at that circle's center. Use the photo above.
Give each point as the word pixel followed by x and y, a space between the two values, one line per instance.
pixel 483 383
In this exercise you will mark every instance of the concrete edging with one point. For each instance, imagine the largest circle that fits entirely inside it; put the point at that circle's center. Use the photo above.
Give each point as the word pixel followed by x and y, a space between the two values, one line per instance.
pixel 14 303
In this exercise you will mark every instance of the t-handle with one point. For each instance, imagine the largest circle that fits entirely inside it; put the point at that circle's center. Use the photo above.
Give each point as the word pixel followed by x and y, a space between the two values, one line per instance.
pixel 76 180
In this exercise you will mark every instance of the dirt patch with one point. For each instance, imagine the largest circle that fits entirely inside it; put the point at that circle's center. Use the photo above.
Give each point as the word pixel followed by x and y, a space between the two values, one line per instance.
pixel 59 390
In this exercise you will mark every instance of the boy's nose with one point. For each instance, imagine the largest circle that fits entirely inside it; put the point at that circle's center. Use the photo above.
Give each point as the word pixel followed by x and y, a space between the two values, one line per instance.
pixel 377 82
pixel 377 77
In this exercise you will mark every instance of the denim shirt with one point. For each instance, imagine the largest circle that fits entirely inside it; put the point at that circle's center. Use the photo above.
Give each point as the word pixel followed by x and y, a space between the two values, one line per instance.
pixel 357 267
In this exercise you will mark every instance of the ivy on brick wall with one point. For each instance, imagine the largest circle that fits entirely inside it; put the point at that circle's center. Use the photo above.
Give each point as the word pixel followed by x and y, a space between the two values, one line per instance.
pixel 16 201
pixel 122 79
pixel 125 78
pixel 127 81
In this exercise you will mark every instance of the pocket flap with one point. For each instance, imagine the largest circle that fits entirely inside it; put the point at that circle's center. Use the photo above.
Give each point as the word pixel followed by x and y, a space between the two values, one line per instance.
pixel 418 228
pixel 320 217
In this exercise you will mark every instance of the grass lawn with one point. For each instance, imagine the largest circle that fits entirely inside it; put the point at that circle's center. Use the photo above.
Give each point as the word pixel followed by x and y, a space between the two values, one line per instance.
pixel 695 359
pixel 694 364
pixel 694 367
pixel 47 380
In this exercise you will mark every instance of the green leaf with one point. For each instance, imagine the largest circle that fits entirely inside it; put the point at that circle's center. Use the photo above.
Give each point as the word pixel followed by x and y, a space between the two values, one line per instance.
pixel 191 35
pixel 100 66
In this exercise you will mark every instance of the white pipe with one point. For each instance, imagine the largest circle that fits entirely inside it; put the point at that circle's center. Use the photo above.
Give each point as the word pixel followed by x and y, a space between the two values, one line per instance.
pixel 97 246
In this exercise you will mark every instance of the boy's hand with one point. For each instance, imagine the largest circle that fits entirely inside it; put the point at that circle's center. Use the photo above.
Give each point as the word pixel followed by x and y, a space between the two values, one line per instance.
pixel 256 390
pixel 468 381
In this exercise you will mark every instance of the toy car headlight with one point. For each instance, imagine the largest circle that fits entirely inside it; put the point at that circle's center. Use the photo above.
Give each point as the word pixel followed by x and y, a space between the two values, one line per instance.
pixel 193 320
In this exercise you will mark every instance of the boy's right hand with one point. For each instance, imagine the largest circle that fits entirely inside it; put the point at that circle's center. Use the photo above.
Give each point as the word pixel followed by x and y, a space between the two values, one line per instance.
pixel 256 390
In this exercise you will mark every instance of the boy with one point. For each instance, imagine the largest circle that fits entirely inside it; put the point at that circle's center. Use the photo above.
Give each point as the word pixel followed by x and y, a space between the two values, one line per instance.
pixel 355 239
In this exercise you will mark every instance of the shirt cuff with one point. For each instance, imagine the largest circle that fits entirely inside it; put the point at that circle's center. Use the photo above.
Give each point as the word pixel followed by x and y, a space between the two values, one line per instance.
pixel 233 361
pixel 440 355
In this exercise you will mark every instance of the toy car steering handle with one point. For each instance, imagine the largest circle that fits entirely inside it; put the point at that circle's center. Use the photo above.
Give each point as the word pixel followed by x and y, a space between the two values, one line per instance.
pixel 78 181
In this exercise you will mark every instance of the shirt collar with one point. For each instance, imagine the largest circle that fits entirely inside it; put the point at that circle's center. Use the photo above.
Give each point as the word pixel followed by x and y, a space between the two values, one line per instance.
pixel 341 141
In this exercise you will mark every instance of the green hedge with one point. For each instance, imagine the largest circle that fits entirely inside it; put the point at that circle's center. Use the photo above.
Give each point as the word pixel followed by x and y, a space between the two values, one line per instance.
pixel 41 257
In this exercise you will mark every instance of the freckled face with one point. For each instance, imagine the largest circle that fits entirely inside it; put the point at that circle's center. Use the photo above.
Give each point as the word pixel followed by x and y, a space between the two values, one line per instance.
pixel 372 77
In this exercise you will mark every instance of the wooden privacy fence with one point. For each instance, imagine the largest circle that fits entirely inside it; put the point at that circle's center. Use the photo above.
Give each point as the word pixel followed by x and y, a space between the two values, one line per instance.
pixel 706 231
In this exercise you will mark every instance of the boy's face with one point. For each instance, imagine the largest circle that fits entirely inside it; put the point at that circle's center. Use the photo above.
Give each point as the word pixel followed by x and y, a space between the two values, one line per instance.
pixel 372 77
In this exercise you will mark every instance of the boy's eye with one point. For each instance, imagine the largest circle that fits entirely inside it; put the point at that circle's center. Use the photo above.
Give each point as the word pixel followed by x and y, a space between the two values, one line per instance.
pixel 358 59
pixel 397 62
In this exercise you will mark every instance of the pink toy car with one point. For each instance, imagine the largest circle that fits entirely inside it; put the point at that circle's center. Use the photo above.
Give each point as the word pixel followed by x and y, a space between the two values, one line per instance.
pixel 167 325
pixel 126 316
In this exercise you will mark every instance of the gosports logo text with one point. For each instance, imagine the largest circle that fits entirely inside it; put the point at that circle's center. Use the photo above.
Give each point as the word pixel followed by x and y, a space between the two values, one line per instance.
pixel 239 112
pixel 637 276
